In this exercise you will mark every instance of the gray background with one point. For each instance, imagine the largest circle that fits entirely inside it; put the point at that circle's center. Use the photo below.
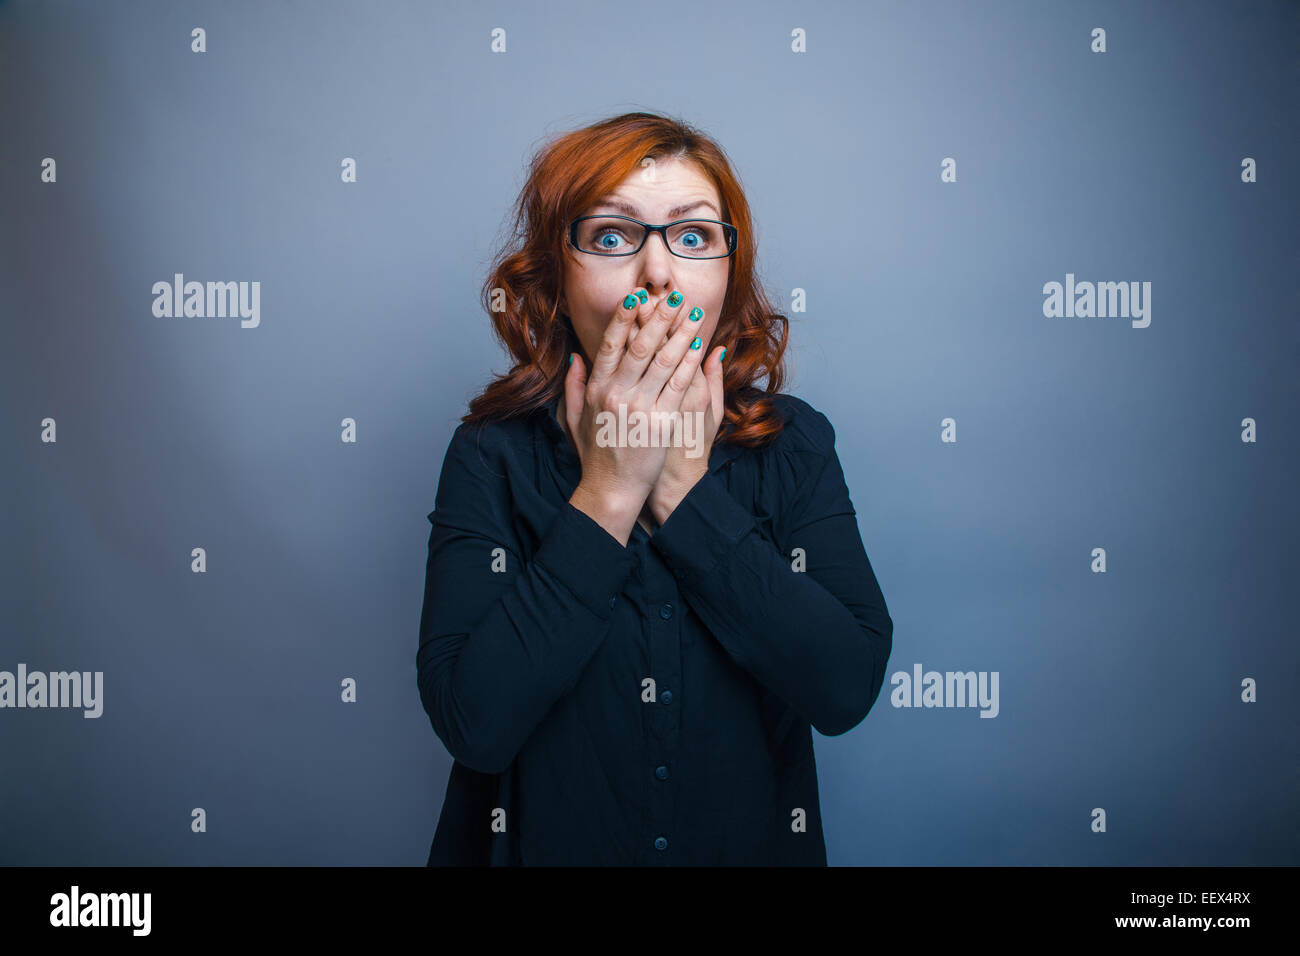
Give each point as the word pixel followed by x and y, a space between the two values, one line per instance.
pixel 1118 690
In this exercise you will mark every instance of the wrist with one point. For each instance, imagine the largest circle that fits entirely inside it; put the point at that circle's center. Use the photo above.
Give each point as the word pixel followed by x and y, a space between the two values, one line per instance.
pixel 614 512
pixel 615 500
pixel 666 497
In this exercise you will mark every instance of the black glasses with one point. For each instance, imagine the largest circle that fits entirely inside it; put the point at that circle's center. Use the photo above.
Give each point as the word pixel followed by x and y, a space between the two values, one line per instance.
pixel 624 236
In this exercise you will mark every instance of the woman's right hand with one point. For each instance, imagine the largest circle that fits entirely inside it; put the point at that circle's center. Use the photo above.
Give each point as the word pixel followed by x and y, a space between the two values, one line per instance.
pixel 649 376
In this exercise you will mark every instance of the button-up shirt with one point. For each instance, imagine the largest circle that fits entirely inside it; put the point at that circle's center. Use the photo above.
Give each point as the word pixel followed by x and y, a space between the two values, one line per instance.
pixel 647 704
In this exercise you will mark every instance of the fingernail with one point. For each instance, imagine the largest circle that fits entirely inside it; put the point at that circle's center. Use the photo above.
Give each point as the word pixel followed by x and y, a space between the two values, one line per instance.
pixel 722 355
pixel 643 295
pixel 696 314
pixel 570 358
pixel 695 342
pixel 630 301
pixel 675 299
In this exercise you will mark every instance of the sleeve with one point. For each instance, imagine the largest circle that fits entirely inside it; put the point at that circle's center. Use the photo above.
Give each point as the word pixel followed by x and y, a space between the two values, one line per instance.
pixel 500 639
pixel 818 638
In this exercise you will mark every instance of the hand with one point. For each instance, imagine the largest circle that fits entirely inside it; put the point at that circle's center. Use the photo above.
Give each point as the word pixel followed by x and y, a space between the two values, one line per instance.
pixel 687 460
pixel 646 374
pixel 685 464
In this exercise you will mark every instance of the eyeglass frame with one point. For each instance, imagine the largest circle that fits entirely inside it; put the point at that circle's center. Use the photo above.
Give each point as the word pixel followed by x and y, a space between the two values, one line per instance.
pixel 731 232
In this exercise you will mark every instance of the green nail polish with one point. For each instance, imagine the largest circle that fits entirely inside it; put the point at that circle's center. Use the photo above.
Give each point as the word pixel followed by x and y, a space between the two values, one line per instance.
pixel 630 301
pixel 696 314
pixel 643 295
pixel 675 299
pixel 570 358
pixel 696 343
pixel 722 355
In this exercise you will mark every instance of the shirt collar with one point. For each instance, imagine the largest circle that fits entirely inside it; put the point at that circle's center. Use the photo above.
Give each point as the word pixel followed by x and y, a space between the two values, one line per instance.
pixel 721 453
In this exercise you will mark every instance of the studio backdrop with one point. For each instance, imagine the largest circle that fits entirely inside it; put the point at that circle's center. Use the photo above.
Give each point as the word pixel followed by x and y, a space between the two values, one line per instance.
pixel 1038 261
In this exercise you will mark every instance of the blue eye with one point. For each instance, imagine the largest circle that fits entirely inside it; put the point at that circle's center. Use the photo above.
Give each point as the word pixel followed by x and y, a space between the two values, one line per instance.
pixel 608 235
pixel 689 234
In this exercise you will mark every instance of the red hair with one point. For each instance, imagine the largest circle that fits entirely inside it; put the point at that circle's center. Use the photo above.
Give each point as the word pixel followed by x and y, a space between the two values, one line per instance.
pixel 523 288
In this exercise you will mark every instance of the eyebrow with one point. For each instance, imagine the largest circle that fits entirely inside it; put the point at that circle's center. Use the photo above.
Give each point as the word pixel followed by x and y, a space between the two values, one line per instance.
pixel 630 210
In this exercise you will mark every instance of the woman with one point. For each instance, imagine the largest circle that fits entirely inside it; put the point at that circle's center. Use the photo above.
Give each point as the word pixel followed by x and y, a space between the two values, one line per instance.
pixel 625 642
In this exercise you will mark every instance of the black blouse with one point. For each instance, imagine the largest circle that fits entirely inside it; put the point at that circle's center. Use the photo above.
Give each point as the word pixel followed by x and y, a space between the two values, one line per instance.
pixel 649 704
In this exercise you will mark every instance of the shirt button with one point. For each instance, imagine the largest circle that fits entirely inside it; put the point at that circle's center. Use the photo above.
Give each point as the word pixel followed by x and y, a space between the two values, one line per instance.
pixel 666 611
pixel 666 697
pixel 661 843
pixel 611 602
pixel 661 773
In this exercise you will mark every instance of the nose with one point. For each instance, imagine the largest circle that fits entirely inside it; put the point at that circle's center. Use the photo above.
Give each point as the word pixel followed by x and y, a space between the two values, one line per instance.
pixel 656 268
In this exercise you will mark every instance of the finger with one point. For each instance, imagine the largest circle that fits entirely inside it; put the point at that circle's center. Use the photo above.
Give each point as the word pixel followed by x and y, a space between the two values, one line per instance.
pixel 670 356
pixel 697 392
pixel 615 340
pixel 696 402
pixel 686 315
pixel 575 392
pixel 696 398
pixel 715 376
pixel 647 343
pixel 686 354
pixel 644 316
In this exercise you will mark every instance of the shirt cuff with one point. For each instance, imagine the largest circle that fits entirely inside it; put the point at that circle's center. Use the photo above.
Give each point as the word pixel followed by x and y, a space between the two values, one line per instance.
pixel 586 559
pixel 706 524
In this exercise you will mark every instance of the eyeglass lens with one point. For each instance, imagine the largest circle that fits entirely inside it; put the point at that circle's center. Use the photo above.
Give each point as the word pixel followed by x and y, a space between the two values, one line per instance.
pixel 693 238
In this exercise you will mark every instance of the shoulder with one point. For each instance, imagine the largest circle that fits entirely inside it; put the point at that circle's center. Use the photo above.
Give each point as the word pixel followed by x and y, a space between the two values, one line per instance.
pixel 807 431
pixel 480 460
pixel 477 446
pixel 795 475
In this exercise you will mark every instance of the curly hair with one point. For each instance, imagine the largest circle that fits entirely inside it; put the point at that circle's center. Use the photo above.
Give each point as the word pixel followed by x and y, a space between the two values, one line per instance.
pixel 524 285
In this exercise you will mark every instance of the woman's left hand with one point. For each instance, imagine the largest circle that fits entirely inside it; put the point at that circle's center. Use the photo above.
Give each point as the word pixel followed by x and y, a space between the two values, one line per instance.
pixel 685 464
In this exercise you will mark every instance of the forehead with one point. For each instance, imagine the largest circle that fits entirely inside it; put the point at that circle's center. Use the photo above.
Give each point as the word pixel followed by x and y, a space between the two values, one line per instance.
pixel 657 184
